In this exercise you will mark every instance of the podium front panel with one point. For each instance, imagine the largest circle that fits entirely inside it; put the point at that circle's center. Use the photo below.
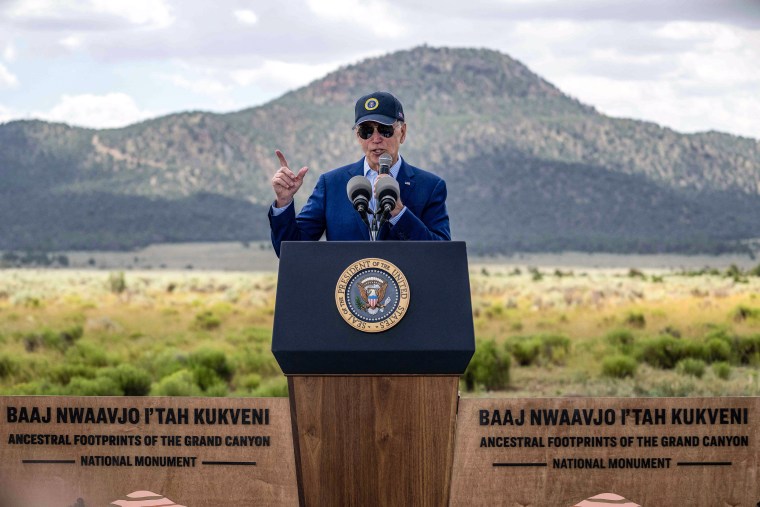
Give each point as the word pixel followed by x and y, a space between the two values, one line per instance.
pixel 435 335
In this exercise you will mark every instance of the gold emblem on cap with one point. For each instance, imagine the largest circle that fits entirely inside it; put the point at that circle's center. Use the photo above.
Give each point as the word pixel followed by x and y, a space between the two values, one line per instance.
pixel 371 104
pixel 363 273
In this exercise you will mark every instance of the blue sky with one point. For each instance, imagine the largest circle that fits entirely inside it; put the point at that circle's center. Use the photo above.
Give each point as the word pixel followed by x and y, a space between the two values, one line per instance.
pixel 689 65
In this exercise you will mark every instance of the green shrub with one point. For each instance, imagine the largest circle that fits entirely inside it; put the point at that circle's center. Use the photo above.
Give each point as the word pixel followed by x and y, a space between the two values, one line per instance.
pixel 554 347
pixel 666 351
pixel 32 342
pixel 8 366
pixel 733 271
pixel 52 340
pixel 205 378
pixel 488 368
pixel 179 383
pixel 748 349
pixel 131 380
pixel 719 333
pixel 742 313
pixel 494 311
pixel 754 271
pixel 736 273
pixel 249 382
pixel 259 334
pixel 672 331
pixel 99 386
pixel 676 388
pixel 116 282
pixel 691 366
pixel 619 366
pixel 217 391
pixel 539 349
pixel 207 320
pixel 621 339
pixel 717 349
pixel 636 320
pixel 71 334
pixel 257 359
pixel 85 353
pixel 722 370
pixel 163 362
pixel 275 387
pixel 63 373
pixel 23 368
pixel 42 387
pixel 526 351
pixel 212 359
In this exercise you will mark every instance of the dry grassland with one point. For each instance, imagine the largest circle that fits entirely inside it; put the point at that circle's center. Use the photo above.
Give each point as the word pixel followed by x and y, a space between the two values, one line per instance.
pixel 208 333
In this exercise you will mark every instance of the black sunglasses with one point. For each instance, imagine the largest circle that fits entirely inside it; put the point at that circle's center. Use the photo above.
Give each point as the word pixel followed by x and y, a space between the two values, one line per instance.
pixel 366 131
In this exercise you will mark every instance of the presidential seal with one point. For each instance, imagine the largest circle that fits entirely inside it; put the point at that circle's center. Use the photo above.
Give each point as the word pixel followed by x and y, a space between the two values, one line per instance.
pixel 371 104
pixel 372 295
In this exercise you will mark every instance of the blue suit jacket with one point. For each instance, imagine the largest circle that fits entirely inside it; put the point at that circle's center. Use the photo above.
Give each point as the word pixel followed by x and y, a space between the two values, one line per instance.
pixel 329 210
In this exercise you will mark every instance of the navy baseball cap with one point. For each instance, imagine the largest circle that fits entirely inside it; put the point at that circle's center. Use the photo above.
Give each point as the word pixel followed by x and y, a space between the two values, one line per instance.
pixel 381 107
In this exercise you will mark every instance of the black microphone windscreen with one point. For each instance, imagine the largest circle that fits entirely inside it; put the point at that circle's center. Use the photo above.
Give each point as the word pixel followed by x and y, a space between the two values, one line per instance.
pixel 387 187
pixel 385 163
pixel 358 186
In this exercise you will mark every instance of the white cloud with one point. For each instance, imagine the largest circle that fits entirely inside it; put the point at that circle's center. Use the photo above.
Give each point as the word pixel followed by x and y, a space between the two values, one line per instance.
pixel 7 78
pixel 549 31
pixel 664 103
pixel 719 55
pixel 246 16
pixel 9 53
pixel 204 86
pixel 52 13
pixel 71 42
pixel 283 75
pixel 690 31
pixel 650 59
pixel 96 111
pixel 220 82
pixel 686 75
pixel 152 13
pixel 374 15
pixel 6 114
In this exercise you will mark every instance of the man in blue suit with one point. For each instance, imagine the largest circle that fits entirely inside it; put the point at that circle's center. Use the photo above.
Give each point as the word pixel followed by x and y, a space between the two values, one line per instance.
pixel 420 213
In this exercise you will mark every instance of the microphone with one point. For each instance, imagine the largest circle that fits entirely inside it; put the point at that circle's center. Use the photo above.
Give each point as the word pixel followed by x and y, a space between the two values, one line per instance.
pixel 385 163
pixel 387 194
pixel 359 191
pixel 386 188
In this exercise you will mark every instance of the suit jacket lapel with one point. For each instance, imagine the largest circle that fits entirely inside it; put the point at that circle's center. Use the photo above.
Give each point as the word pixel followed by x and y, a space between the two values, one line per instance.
pixel 405 181
pixel 356 168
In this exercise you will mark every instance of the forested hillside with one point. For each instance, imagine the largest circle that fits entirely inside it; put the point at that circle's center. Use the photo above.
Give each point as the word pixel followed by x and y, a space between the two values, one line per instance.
pixel 528 168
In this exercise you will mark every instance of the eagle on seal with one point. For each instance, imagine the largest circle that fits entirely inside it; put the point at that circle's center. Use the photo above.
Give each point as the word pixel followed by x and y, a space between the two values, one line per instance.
pixel 372 291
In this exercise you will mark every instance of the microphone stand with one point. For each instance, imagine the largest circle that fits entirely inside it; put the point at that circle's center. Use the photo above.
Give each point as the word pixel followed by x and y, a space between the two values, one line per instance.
pixel 373 228
pixel 384 216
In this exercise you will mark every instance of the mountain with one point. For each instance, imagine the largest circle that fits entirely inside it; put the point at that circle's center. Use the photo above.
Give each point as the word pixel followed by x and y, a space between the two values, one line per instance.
pixel 528 168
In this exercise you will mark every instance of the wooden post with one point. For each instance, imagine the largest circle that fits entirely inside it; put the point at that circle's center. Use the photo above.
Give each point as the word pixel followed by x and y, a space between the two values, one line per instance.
pixel 374 440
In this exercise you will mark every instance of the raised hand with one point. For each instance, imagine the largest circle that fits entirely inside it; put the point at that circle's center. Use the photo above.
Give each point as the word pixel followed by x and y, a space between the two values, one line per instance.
pixel 285 182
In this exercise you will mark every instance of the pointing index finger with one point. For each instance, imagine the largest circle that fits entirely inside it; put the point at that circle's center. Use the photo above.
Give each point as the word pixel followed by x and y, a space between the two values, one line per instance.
pixel 283 162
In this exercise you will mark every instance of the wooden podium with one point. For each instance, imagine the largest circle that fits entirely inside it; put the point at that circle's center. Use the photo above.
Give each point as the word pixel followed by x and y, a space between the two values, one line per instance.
pixel 373 414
